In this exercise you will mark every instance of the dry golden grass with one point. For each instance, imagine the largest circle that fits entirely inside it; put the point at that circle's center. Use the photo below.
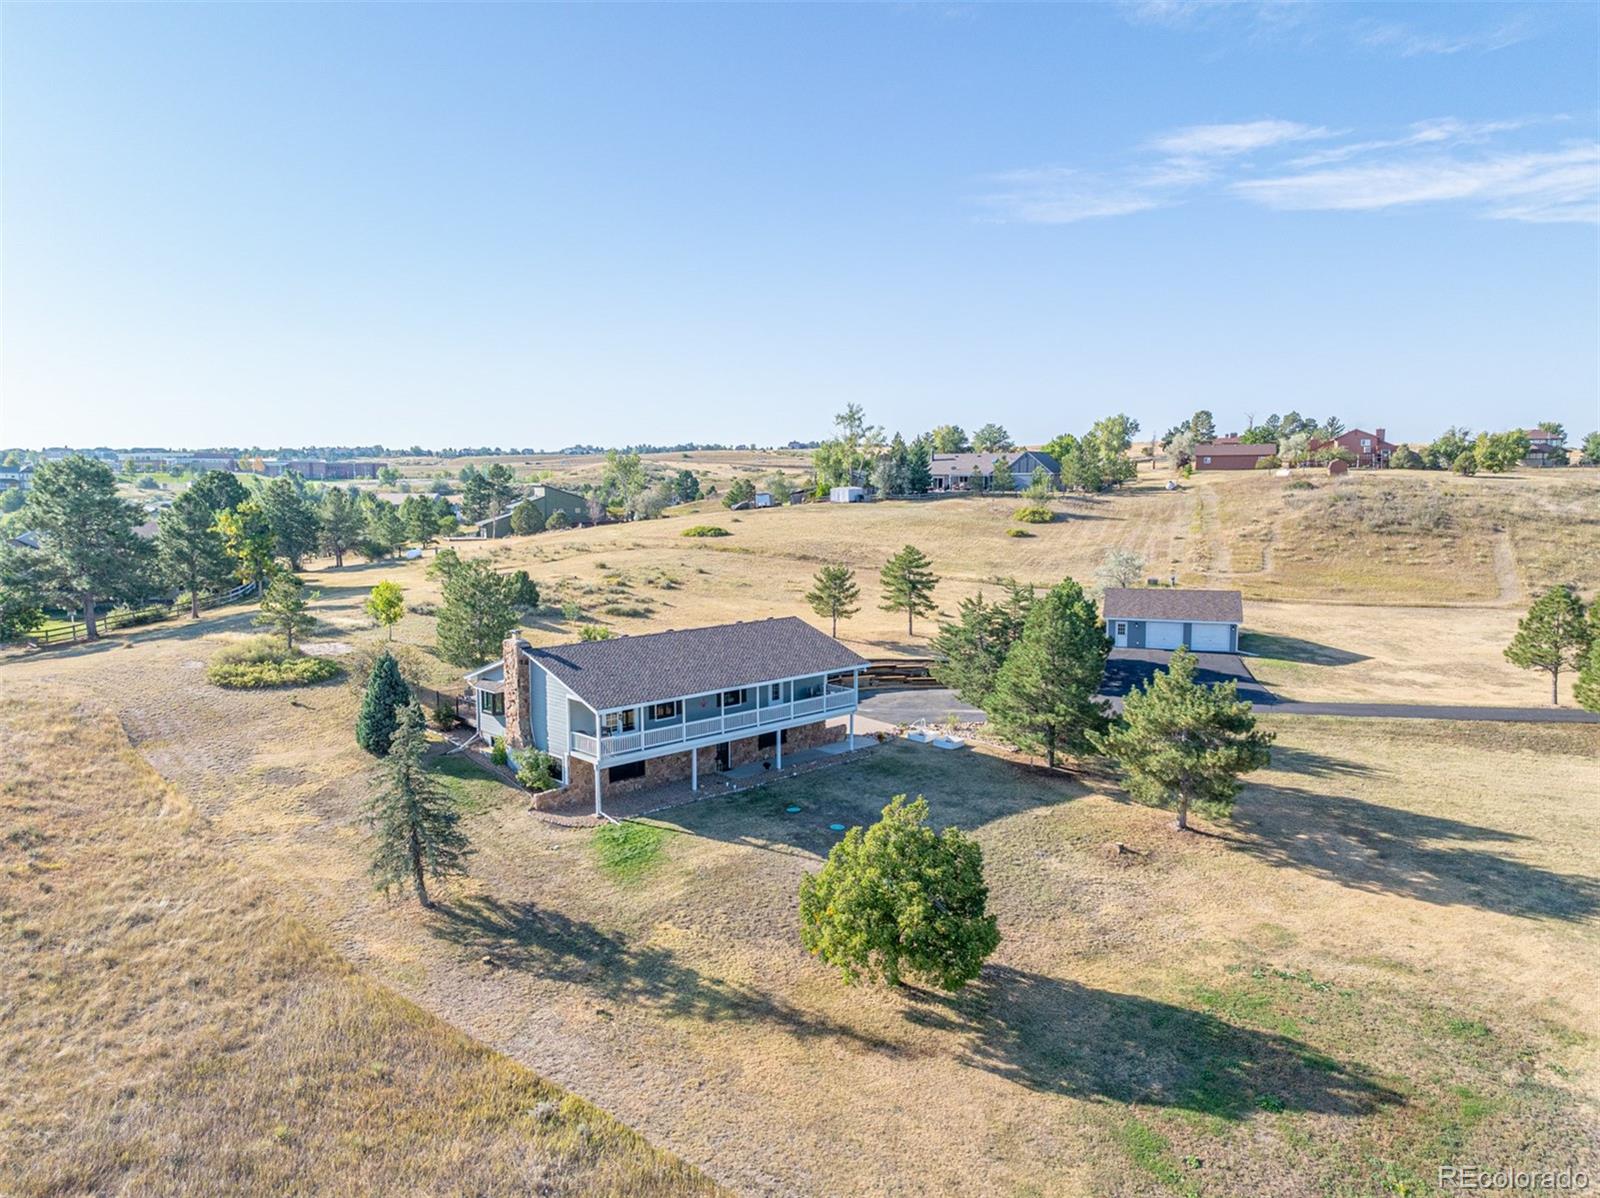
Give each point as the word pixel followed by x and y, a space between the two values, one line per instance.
pixel 168 1029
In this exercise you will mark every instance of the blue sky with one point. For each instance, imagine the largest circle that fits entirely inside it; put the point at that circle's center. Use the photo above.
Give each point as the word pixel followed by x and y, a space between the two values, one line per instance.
pixel 289 224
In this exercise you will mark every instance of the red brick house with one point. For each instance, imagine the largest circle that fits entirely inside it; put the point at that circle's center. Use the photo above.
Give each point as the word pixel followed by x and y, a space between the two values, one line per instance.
pixel 1231 455
pixel 1366 449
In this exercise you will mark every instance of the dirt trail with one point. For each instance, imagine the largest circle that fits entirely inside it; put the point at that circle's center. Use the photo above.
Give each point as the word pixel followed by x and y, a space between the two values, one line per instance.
pixel 1505 572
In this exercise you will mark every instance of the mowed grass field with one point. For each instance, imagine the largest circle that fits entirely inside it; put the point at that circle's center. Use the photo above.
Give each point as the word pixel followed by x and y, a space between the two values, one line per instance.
pixel 1386 960
pixel 169 1029
pixel 1387 586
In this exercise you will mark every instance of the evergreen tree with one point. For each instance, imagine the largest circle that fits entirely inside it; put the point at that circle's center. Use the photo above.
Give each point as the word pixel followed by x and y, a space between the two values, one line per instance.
pixel 973 648
pixel 1587 690
pixel 1181 744
pixel 899 900
pixel 292 518
pixel 283 608
pixel 476 616
pixel 386 605
pixel 89 549
pixel 381 703
pixel 384 531
pixel 24 591
pixel 1552 637
pixel 247 537
pixel 919 466
pixel 1046 695
pixel 414 824
pixel 1002 479
pixel 421 519
pixel 502 487
pixel 191 552
pixel 908 582
pixel 526 519
pixel 219 490
pixel 687 486
pixel 477 495
pixel 341 523
pixel 834 594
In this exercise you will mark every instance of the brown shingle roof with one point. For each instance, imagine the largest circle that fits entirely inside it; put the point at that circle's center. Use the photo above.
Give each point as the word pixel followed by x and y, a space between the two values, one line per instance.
pixel 1171 603
pixel 629 670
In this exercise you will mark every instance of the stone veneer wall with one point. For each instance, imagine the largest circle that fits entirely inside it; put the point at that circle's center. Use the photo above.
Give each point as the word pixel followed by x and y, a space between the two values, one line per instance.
pixel 659 771
pixel 517 667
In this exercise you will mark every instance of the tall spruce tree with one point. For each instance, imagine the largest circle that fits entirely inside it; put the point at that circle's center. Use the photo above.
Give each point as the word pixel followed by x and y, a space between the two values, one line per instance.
pixel 292 518
pixel 476 616
pixel 191 552
pixel 834 594
pixel 972 648
pixel 340 523
pixel 1046 695
pixel 1552 637
pixel 1587 689
pixel 1181 744
pixel 385 696
pixel 908 581
pixel 414 825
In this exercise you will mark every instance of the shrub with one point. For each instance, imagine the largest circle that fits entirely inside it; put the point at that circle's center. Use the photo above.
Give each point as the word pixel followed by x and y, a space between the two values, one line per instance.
pixel 521 590
pixel 526 519
pixel 536 770
pixel 705 530
pixel 1466 464
pixel 558 520
pixel 262 662
pixel 497 751
pixel 1034 513
pixel 443 715
pixel 1270 462
pixel 627 613
pixel 423 609
pixel 595 632
pixel 1405 458
pixel 570 611
pixel 1018 532
pixel 1300 484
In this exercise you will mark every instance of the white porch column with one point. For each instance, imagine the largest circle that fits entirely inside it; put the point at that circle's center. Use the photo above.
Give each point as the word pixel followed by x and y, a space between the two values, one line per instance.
pixel 694 769
pixel 597 789
pixel 779 743
pixel 852 730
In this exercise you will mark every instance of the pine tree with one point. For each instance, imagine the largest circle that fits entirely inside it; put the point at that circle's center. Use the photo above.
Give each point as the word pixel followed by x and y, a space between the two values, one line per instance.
pixel 191 552
pixel 283 608
pixel 385 696
pixel 292 518
pixel 919 466
pixel 341 523
pixel 476 616
pixel 1182 744
pixel 1552 637
pixel 413 822
pixel 1002 479
pixel 908 582
pixel 1587 690
pixel 835 594
pixel 973 648
pixel 526 519
pixel 1046 694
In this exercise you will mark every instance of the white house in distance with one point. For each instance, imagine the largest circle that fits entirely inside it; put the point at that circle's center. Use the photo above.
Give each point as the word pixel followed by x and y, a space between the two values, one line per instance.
pixel 635 712
pixel 1164 618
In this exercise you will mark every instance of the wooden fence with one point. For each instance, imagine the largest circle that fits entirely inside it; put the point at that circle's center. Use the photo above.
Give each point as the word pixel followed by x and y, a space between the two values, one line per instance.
pixel 465 707
pixel 121 617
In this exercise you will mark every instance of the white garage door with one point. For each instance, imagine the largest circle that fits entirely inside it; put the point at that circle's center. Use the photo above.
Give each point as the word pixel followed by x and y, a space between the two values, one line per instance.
pixel 1211 638
pixel 1163 634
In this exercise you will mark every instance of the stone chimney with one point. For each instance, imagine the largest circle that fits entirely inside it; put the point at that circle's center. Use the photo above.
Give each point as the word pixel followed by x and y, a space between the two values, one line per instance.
pixel 1380 435
pixel 514 654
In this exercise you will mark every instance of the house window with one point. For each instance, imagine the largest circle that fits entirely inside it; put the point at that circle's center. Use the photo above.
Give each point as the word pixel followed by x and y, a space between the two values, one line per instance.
pixel 1206 460
pixel 1122 628
pixel 731 698
pixel 664 711
pixel 617 721
pixel 1366 442
pixel 494 702
pixel 777 692
pixel 621 773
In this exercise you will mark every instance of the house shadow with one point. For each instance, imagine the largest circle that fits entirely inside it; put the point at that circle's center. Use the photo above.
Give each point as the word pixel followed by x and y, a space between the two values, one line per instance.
pixel 1060 1037
pixel 522 937
pixel 1385 850
pixel 1297 649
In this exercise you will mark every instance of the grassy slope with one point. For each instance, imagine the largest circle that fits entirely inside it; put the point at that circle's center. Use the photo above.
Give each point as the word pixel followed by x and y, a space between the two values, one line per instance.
pixel 168 1030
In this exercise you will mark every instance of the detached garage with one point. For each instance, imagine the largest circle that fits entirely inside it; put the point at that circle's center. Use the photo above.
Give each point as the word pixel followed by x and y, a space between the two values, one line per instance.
pixel 1164 618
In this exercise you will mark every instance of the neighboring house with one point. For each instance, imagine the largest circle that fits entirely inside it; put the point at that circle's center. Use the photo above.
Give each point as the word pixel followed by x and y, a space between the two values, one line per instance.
pixel 1366 449
pixel 1544 448
pixel 493 527
pixel 16 478
pixel 975 471
pixel 639 711
pixel 1231 455
pixel 1164 618
pixel 314 468
pixel 550 500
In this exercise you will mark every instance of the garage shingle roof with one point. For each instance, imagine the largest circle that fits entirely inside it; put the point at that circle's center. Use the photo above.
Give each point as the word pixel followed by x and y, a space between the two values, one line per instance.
pixel 1171 603
pixel 628 670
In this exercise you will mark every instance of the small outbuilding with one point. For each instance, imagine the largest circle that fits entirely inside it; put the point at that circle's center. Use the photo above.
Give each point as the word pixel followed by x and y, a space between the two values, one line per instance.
pixel 847 495
pixel 1167 617
pixel 763 499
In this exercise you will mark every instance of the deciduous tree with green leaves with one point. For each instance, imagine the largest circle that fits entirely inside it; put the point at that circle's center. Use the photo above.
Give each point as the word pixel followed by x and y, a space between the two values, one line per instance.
pixel 1121 568
pixel 191 552
pixel 1181 744
pixel 87 544
pixel 949 438
pixel 991 438
pixel 415 828
pixel 834 594
pixel 898 902
pixel 386 604
pixel 283 608
pixel 1046 696
pixel 1552 637
pixel 247 537
pixel 385 696
pixel 908 581
pixel 476 616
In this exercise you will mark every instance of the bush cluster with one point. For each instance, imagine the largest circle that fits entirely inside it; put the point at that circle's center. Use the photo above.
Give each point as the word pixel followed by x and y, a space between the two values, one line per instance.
pixel 261 662
pixel 706 530
pixel 1035 513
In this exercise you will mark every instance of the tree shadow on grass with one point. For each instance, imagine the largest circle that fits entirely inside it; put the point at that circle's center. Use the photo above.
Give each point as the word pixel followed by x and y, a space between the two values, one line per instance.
pixel 1387 850
pixel 1296 649
pixel 1059 1037
pixel 551 945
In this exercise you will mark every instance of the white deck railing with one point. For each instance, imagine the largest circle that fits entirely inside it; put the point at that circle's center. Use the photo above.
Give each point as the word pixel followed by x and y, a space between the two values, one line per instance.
pixel 622 744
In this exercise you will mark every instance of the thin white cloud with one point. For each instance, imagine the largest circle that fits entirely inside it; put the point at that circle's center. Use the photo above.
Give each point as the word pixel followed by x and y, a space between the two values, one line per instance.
pixel 1409 42
pixel 1060 195
pixel 1444 131
pixel 1211 141
pixel 1560 185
